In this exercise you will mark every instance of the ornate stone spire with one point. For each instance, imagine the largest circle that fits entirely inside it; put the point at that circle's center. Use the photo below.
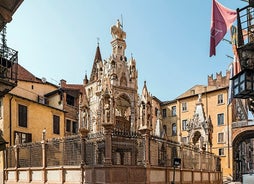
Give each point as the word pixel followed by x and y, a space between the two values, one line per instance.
pixel 97 59
pixel 200 127
pixel 118 42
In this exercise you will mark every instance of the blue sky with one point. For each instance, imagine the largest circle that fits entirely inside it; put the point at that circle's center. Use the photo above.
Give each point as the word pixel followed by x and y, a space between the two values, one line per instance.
pixel 169 39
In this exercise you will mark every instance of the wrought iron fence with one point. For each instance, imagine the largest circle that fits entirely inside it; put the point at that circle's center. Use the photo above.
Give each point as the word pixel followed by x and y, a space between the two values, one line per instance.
pixel 63 151
pixel 126 149
pixel 30 155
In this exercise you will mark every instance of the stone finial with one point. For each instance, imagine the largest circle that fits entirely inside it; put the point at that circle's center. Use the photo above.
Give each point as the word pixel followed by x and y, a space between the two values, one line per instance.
pixel 44 134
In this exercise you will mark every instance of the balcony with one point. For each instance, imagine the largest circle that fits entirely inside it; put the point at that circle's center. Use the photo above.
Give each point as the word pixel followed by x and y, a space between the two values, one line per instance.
pixel 240 124
pixel 8 69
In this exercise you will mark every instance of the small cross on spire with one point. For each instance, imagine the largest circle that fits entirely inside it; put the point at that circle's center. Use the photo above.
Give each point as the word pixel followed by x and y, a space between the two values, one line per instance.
pixel 98 41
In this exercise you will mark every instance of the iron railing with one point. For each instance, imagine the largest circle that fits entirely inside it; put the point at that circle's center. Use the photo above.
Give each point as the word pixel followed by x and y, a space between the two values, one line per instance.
pixel 127 149
pixel 8 64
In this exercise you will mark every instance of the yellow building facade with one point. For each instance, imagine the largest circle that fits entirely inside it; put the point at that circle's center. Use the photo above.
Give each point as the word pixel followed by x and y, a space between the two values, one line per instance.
pixel 201 118
pixel 35 104
pixel 26 111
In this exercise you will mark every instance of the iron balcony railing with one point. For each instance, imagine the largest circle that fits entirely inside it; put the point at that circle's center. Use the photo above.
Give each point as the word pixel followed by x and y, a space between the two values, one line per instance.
pixel 245 25
pixel 8 64
pixel 240 124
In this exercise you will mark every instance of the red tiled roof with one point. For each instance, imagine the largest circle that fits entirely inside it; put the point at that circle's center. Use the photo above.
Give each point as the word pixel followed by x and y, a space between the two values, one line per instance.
pixel 73 86
pixel 25 75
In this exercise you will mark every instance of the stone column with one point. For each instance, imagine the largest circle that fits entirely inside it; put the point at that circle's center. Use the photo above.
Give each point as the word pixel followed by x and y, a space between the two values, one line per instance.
pixel 83 134
pixel 16 152
pixel 108 127
pixel 44 159
pixel 146 135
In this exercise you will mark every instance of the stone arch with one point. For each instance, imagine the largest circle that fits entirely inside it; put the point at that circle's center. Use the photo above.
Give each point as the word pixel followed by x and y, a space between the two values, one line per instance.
pixel 123 112
pixel 149 113
pixel 197 137
pixel 242 143
pixel 123 80
pixel 113 64
pixel 240 130
pixel 174 129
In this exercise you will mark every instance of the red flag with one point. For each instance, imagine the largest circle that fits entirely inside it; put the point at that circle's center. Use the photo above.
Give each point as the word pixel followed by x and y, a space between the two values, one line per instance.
pixel 222 19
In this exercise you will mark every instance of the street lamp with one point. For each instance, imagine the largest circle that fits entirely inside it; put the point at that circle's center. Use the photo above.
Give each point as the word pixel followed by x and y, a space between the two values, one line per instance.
pixel 243 84
pixel 176 163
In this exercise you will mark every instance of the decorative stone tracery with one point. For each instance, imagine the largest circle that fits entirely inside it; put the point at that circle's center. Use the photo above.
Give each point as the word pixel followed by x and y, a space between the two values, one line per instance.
pixel 112 88
pixel 200 128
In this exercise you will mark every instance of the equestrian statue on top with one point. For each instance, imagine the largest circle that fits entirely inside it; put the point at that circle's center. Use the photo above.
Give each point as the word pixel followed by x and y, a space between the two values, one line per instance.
pixel 117 31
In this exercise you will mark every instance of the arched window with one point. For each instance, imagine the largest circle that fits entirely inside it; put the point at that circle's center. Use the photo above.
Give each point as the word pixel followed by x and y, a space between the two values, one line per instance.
pixel 174 129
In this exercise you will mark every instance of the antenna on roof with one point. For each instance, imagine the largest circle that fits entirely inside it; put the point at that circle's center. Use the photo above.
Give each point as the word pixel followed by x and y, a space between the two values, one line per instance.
pixel 57 83
pixel 44 80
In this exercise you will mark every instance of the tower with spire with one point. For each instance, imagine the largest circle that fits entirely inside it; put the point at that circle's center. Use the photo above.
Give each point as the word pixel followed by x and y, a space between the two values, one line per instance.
pixel 112 90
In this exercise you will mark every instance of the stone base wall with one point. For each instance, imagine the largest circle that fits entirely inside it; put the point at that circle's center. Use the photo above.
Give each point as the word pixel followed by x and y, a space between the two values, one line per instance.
pixel 1 177
pixel 109 174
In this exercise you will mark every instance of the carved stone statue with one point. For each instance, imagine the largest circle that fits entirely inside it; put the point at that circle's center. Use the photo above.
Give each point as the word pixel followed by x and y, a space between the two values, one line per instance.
pixel 117 32
pixel 199 97
pixel 118 24
pixel 84 118
pixel 107 113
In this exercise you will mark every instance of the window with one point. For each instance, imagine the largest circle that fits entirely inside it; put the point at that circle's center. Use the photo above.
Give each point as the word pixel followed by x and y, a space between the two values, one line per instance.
pixel 221 137
pixel 68 125
pixel 42 99
pixel 71 126
pixel 70 100
pixel 174 130
pixel 184 124
pixel 56 124
pixel 184 106
pixel 22 137
pixel 220 99
pixel 221 151
pixel 156 112
pixel 164 113
pixel 173 110
pixel 22 115
pixel 220 119
pixel 74 127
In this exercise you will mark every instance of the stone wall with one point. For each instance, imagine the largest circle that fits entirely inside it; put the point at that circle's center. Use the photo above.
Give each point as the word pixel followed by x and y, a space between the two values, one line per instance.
pixel 110 174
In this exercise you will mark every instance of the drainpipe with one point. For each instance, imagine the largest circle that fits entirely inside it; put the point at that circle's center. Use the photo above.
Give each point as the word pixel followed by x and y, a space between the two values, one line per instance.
pixel 10 120
pixel 228 135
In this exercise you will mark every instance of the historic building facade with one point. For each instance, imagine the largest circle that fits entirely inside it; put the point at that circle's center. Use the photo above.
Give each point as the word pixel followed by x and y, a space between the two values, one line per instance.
pixel 35 105
pixel 111 92
pixel 200 118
